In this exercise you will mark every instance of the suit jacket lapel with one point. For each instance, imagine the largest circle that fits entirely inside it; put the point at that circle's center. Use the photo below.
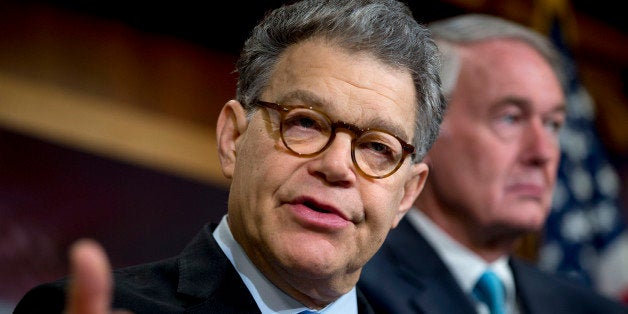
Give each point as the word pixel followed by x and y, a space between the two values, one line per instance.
pixel 209 279
pixel 437 290
pixel 533 294
pixel 364 307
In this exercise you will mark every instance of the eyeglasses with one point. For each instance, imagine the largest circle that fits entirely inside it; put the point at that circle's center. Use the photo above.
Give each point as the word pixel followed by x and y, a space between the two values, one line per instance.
pixel 307 132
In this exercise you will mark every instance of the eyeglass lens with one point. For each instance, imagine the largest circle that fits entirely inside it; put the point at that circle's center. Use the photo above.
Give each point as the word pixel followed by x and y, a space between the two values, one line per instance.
pixel 308 132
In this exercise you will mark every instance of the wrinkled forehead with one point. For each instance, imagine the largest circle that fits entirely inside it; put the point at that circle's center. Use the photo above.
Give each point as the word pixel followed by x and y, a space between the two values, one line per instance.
pixel 507 71
pixel 367 115
pixel 354 88
pixel 502 51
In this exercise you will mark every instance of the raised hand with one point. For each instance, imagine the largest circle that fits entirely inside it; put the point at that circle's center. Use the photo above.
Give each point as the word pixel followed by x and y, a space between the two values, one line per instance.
pixel 91 284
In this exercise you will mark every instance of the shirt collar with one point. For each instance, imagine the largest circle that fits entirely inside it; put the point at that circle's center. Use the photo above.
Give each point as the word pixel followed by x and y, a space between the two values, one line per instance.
pixel 465 265
pixel 268 297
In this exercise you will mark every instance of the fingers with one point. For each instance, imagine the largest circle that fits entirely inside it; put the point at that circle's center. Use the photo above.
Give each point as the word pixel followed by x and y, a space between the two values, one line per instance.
pixel 91 283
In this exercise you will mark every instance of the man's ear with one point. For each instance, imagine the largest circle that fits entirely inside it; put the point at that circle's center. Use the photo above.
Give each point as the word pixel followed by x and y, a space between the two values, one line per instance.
pixel 411 189
pixel 230 126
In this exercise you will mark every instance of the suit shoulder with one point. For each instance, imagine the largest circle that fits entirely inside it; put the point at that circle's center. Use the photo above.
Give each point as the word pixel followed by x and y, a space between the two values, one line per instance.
pixel 565 295
pixel 151 281
pixel 45 298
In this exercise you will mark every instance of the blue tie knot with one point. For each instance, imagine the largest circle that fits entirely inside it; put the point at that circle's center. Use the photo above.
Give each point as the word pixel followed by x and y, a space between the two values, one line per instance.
pixel 490 291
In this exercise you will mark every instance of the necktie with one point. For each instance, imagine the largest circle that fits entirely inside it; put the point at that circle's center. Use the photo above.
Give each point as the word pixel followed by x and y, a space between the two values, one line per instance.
pixel 490 291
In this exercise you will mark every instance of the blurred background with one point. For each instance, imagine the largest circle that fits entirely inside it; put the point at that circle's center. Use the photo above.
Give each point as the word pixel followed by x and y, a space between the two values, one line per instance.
pixel 108 109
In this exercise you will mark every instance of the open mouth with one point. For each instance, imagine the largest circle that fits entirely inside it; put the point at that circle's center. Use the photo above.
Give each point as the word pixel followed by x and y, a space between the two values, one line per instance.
pixel 320 208
pixel 316 207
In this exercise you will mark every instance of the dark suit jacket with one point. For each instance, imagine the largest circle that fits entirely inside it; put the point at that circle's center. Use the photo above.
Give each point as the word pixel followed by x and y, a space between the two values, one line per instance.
pixel 200 280
pixel 408 276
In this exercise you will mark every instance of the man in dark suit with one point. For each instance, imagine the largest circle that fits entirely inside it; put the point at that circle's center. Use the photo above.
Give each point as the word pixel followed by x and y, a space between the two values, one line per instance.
pixel 337 103
pixel 492 171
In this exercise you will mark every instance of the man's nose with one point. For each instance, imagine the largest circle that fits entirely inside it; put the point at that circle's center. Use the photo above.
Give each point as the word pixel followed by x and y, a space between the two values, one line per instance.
pixel 541 145
pixel 335 163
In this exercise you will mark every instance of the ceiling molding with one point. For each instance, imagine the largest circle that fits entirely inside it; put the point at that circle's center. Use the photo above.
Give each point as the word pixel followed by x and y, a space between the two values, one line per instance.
pixel 106 128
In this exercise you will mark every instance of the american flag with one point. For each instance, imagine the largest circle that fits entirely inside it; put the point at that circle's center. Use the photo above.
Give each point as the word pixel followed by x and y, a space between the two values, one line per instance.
pixel 585 236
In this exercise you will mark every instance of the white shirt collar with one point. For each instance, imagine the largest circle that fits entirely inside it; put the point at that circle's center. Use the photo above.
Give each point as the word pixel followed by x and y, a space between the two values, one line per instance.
pixel 464 264
pixel 268 297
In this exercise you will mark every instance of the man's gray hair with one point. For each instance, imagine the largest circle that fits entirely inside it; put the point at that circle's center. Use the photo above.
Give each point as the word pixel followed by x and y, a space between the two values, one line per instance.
pixel 470 28
pixel 384 29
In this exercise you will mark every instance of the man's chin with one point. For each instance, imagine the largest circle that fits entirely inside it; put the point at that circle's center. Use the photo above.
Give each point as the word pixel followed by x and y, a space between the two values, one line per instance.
pixel 529 217
pixel 514 229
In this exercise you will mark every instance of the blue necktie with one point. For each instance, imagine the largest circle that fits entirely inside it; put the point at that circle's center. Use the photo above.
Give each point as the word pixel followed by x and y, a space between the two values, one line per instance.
pixel 490 291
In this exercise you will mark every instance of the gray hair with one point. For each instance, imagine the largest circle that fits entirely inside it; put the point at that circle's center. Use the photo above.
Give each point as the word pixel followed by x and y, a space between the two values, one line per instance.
pixel 470 28
pixel 384 29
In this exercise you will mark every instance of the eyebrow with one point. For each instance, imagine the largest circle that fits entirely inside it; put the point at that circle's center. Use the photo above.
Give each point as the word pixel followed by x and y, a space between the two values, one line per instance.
pixel 526 105
pixel 304 96
pixel 311 98
pixel 395 129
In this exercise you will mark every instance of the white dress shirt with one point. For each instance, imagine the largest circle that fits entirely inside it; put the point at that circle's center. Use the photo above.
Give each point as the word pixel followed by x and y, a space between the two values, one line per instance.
pixel 465 265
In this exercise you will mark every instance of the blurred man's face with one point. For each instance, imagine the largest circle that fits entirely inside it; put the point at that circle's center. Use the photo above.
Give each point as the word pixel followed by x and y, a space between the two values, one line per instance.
pixel 494 165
